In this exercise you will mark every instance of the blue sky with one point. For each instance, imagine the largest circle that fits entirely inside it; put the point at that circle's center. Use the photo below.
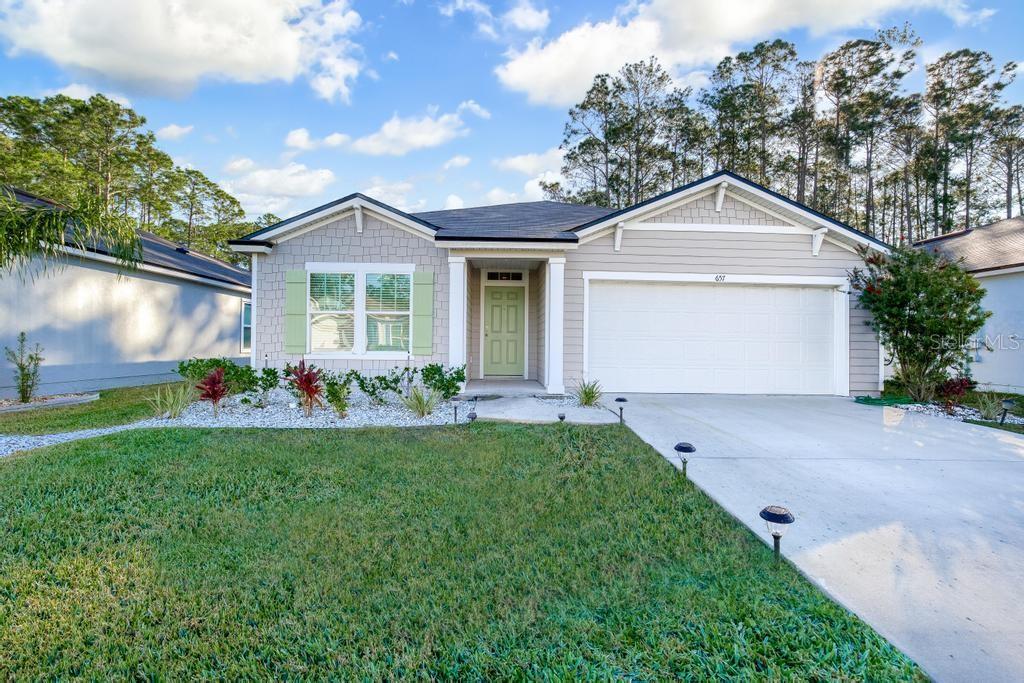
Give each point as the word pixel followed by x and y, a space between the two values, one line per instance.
pixel 421 103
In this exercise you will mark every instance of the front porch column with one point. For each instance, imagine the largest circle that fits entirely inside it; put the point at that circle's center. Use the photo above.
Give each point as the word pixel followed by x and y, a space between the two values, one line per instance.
pixel 456 311
pixel 554 353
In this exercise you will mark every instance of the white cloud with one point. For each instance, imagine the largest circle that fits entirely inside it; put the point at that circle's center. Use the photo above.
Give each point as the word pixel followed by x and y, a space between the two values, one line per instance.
pixel 453 201
pixel 391 56
pixel 157 46
pixel 497 195
pixel 395 194
pixel 398 136
pixel 81 91
pixel 239 165
pixel 479 10
pixel 684 34
pixel 300 140
pixel 457 161
pixel 533 163
pixel 525 17
pixel 263 189
pixel 173 131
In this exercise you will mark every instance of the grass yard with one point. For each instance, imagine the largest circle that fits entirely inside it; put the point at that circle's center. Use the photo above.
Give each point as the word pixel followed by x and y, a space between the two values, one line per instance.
pixel 114 407
pixel 490 551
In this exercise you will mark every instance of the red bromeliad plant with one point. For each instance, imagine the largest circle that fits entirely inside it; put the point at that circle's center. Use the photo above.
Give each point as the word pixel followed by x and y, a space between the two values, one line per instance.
pixel 213 388
pixel 308 383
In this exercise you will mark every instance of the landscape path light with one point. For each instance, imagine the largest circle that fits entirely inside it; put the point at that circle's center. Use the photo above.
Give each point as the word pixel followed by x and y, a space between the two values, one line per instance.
pixel 621 400
pixel 455 404
pixel 1008 404
pixel 472 416
pixel 561 417
pixel 777 518
pixel 681 448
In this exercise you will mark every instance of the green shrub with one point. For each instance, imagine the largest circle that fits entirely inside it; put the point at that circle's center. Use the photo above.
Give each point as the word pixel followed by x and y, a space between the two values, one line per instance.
pixel 337 390
pixel 421 403
pixel 925 310
pixel 376 387
pixel 446 383
pixel 588 393
pixel 26 367
pixel 240 379
pixel 172 400
pixel 990 406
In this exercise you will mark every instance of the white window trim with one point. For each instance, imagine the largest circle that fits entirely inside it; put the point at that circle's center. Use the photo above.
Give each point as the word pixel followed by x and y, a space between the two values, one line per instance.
pixel 840 307
pixel 360 270
pixel 241 329
pixel 524 283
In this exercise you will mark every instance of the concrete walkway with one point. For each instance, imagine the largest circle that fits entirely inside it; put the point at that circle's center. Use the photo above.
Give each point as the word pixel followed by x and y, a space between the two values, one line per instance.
pixel 540 411
pixel 914 522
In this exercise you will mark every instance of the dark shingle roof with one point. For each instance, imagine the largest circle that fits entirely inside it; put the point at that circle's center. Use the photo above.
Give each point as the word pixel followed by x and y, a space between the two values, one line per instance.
pixel 522 221
pixel 996 245
pixel 157 251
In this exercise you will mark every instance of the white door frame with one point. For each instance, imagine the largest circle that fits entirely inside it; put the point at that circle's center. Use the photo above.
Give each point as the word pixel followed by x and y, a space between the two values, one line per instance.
pixel 840 307
pixel 524 283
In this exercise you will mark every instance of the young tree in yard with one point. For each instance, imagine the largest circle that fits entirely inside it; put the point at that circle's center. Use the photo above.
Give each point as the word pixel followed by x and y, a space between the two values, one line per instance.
pixel 925 309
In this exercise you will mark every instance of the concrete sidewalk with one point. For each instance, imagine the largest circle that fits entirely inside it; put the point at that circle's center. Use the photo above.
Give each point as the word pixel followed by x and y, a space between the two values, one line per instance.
pixel 913 522
pixel 540 411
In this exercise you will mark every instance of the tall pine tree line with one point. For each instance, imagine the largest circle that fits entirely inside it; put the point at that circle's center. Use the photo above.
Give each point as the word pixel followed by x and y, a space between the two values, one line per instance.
pixel 842 134
pixel 76 151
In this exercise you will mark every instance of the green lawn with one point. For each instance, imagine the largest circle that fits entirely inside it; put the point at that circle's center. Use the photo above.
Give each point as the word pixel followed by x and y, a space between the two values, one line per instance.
pixel 490 551
pixel 114 407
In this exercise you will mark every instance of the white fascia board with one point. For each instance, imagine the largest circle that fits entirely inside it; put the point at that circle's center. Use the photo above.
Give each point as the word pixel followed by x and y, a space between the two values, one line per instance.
pixel 336 211
pixel 250 248
pixel 720 227
pixel 1008 270
pixel 515 246
pixel 156 270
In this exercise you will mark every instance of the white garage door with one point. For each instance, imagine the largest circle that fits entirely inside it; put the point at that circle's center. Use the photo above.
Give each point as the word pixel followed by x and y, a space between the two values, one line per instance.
pixel 705 338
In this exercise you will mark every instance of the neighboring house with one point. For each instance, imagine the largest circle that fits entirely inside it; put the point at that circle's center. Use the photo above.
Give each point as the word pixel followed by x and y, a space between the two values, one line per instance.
pixel 994 254
pixel 103 326
pixel 718 286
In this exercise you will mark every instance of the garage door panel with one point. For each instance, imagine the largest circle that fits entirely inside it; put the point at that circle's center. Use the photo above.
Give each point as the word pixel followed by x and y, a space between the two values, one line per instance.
pixel 705 338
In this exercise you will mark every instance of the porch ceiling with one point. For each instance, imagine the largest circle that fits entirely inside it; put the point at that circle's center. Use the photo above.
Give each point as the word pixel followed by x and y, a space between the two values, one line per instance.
pixel 505 263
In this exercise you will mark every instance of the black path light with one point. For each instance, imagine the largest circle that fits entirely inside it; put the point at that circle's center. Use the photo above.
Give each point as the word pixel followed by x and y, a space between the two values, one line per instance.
pixel 681 448
pixel 1008 404
pixel 472 416
pixel 561 417
pixel 455 404
pixel 621 400
pixel 777 518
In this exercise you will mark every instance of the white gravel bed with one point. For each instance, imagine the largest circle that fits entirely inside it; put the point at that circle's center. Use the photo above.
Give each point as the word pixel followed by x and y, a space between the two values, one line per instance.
pixel 960 413
pixel 282 412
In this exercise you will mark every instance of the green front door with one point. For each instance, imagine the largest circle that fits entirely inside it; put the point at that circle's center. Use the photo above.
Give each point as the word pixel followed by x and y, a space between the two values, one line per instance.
pixel 504 319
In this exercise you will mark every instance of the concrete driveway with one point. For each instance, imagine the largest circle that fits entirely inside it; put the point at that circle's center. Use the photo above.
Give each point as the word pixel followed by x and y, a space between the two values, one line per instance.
pixel 915 523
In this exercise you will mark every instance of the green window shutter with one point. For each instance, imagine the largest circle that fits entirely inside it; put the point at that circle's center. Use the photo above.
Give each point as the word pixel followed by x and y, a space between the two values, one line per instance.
pixel 295 311
pixel 422 313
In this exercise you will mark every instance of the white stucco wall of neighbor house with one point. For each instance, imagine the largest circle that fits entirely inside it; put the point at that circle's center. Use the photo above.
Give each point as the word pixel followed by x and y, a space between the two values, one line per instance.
pixel 999 364
pixel 101 329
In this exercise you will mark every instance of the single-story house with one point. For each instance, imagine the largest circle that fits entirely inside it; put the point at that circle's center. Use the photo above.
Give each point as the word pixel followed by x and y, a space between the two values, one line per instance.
pixel 994 254
pixel 718 286
pixel 103 326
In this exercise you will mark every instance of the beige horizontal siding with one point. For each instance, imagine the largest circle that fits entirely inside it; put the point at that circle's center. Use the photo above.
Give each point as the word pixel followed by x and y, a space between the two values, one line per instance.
pixel 714 253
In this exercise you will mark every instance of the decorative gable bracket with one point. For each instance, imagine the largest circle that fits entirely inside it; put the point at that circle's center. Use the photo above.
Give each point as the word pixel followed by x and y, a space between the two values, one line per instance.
pixel 817 237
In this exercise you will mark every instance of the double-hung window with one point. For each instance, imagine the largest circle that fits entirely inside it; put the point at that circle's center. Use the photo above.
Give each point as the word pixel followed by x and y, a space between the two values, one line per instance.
pixel 246 326
pixel 360 309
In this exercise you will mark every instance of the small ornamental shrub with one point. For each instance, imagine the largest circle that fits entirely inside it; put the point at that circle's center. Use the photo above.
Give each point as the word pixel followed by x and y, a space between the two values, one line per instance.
pixel 588 393
pixel 267 381
pixel 240 379
pixel 308 383
pixel 952 391
pixel 26 363
pixel 171 401
pixel 446 383
pixel 376 387
pixel 421 403
pixel 213 388
pixel 337 390
pixel 990 406
pixel 925 310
